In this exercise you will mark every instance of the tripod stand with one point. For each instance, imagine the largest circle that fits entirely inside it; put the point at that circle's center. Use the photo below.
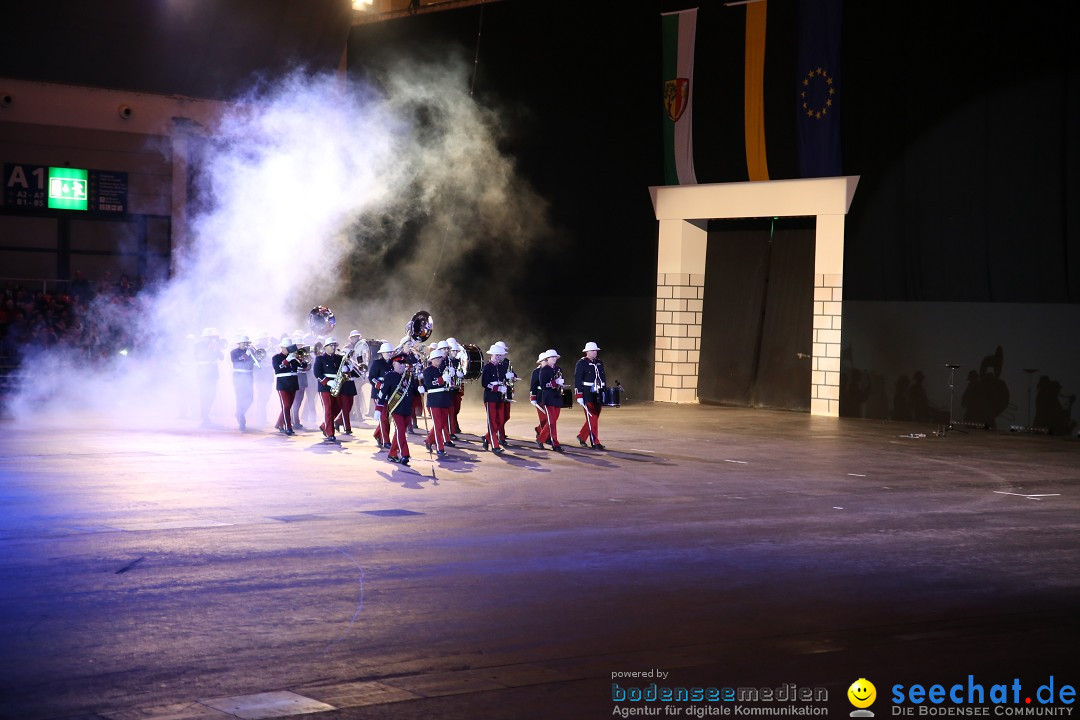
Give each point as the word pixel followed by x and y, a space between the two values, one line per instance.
pixel 952 384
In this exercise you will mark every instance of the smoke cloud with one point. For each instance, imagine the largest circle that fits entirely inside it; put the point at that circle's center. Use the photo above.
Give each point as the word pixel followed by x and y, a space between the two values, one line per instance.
pixel 373 199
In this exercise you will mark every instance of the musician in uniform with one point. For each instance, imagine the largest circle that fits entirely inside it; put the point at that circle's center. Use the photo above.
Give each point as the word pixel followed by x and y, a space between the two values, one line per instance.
pixel 396 397
pixel 437 386
pixel 347 393
pixel 207 356
pixel 455 362
pixel 493 378
pixel 303 382
pixel 589 380
pixel 358 351
pixel 508 373
pixel 307 411
pixel 377 371
pixel 535 392
pixel 325 370
pixel 243 375
pixel 550 383
pixel 286 368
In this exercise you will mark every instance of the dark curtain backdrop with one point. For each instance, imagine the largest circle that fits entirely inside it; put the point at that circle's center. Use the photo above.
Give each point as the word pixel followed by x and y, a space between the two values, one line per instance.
pixel 757 314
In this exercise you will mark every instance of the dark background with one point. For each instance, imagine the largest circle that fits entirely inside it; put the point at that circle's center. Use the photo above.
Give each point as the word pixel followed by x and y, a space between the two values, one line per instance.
pixel 960 118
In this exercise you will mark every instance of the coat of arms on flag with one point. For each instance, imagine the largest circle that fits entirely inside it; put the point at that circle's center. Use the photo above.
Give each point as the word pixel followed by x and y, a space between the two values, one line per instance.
pixel 676 94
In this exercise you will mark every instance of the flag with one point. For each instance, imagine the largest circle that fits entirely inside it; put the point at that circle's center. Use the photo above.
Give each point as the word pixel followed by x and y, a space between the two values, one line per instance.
pixel 678 30
pixel 818 88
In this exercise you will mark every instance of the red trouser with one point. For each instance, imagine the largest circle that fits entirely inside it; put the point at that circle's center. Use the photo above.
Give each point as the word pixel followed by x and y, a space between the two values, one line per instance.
pixel 382 432
pixel 284 418
pixel 496 422
pixel 548 431
pixel 591 428
pixel 440 427
pixel 543 420
pixel 454 427
pixel 346 403
pixel 399 447
pixel 331 408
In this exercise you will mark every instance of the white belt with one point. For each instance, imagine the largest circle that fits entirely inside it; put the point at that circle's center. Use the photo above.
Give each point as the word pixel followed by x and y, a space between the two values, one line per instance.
pixel 587 384
pixel 285 374
pixel 240 370
pixel 435 390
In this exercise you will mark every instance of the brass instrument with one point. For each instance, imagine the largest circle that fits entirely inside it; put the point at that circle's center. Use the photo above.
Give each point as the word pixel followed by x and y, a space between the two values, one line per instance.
pixel 321 320
pixel 399 392
pixel 509 394
pixel 339 377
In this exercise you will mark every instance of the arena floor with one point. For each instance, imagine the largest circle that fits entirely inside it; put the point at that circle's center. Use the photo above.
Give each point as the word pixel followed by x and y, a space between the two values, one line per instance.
pixel 217 574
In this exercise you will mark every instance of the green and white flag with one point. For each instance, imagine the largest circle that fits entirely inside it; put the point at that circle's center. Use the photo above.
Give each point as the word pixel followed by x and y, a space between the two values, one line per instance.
pixel 678 30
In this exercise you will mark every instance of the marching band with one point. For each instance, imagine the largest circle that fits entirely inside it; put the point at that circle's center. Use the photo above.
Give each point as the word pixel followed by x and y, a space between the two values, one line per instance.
pixel 410 380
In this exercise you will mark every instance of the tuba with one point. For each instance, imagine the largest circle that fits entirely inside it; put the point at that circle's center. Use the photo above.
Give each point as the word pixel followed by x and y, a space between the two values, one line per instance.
pixel 321 320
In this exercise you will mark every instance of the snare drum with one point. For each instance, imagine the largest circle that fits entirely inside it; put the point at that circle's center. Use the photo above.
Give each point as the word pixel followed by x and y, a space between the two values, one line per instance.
pixel 609 396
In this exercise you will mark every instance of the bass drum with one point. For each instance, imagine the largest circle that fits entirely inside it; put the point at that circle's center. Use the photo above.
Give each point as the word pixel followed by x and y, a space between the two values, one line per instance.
pixel 609 396
pixel 473 362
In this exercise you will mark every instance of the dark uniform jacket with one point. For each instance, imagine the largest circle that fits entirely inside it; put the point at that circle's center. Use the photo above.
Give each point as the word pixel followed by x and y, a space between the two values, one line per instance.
pixel 589 378
pixel 325 368
pixel 376 374
pixel 551 392
pixel 242 361
pixel 436 391
pixel 493 375
pixel 286 372
pixel 390 383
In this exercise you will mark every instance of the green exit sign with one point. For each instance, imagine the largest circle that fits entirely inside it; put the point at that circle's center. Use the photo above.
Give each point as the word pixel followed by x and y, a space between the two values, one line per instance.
pixel 68 188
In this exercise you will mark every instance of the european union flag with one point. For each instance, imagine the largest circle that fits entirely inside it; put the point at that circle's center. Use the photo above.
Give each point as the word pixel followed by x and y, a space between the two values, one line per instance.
pixel 818 88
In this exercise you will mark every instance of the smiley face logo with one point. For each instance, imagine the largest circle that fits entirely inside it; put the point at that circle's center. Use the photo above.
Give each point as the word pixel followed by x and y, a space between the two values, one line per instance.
pixel 862 693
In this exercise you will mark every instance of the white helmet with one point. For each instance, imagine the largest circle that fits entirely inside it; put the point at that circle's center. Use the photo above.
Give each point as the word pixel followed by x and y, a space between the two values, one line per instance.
pixel 386 348
pixel 501 344
pixel 437 354
pixel 541 357
pixel 242 339
pixel 453 343
pixel 443 345
pixel 355 333
pixel 589 346
pixel 552 353
pixel 286 342
pixel 330 341
pixel 496 350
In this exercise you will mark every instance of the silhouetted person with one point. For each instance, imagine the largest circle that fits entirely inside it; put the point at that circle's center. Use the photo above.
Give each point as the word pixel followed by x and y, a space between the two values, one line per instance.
pixel 1049 412
pixel 918 403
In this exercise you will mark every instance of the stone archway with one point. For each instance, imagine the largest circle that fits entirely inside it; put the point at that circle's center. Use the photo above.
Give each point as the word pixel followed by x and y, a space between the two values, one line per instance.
pixel 683 212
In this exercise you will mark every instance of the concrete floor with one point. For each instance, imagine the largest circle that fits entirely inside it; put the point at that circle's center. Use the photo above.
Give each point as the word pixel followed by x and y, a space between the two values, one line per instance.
pixel 214 574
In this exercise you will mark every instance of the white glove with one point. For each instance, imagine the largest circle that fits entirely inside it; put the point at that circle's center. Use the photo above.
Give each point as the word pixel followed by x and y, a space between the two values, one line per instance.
pixel 535 404
pixel 332 384
pixel 560 382
pixel 510 376
pixel 448 376
pixel 502 389
pixel 581 401
pixel 378 417
pixel 421 389
pixel 290 357
pixel 460 373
